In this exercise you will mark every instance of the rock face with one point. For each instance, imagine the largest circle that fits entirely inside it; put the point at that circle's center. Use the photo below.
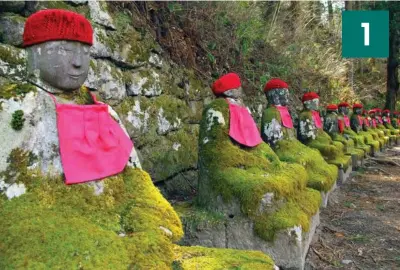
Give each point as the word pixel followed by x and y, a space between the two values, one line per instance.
pixel 159 103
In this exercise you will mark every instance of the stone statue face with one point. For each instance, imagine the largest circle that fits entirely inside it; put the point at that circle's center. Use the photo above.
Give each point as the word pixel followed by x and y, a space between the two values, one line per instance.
pixel 357 111
pixel 386 114
pixel 312 104
pixel 236 94
pixel 331 112
pixel 62 65
pixel 279 96
pixel 344 110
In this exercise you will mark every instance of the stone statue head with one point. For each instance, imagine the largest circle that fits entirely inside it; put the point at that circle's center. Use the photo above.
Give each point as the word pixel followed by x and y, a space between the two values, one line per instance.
pixel 278 96
pixel 277 93
pixel 357 108
pixel 343 108
pixel 386 113
pixel 378 112
pixel 331 109
pixel 229 86
pixel 58 45
pixel 310 101
pixel 372 113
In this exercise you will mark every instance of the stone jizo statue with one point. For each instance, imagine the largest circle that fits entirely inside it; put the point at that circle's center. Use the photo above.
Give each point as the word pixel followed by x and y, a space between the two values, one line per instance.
pixel 278 131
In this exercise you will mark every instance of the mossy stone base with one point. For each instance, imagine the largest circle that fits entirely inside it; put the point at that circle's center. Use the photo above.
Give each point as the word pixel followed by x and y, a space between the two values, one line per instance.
pixel 288 249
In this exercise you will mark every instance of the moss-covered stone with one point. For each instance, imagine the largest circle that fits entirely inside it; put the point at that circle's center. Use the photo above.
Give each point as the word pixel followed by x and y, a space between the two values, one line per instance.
pixel 58 226
pixel 332 151
pixel 8 89
pixel 188 258
pixel 17 121
pixel 235 173
pixel 321 175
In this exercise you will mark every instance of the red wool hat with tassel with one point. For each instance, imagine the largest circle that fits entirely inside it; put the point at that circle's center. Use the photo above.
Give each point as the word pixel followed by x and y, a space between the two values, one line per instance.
pixel 225 83
pixel 309 96
pixel 275 83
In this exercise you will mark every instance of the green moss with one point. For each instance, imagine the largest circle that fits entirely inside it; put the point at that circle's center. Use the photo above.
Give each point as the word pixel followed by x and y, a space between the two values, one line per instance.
pixel 196 257
pixel 349 145
pixel 245 174
pixel 10 90
pixel 321 175
pixel 17 121
pixel 58 226
pixel 11 55
pixel 296 212
pixel 332 151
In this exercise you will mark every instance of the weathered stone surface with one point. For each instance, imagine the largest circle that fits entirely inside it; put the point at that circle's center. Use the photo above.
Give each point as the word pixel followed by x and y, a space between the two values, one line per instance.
pixel 12 6
pixel 99 13
pixel 11 29
pixel 144 82
pixel 289 249
pixel 107 79
pixel 12 62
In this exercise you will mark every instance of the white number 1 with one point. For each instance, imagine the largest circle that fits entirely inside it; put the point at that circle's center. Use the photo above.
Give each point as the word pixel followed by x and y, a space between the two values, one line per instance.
pixel 366 33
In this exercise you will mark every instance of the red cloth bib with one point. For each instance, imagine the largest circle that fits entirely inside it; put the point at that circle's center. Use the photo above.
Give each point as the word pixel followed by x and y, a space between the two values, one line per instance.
pixel 374 123
pixel 380 120
pixel 285 116
pixel 346 121
pixel 242 127
pixel 92 144
pixel 360 120
pixel 366 122
pixel 316 119
pixel 341 125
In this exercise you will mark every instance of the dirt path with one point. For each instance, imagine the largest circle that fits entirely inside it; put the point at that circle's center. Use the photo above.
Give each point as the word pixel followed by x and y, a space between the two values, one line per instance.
pixel 360 229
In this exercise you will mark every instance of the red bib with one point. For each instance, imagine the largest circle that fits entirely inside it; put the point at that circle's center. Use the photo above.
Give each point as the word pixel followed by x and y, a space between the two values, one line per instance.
pixel 316 119
pixel 366 122
pixel 92 144
pixel 380 120
pixel 285 116
pixel 360 120
pixel 242 127
pixel 346 121
pixel 374 123
pixel 341 125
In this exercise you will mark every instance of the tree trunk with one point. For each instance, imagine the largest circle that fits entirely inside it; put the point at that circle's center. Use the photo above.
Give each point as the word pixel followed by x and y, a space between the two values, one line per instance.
pixel 392 85
pixel 330 11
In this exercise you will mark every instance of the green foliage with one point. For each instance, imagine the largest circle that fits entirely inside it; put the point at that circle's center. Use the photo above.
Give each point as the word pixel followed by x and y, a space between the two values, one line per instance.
pixel 17 121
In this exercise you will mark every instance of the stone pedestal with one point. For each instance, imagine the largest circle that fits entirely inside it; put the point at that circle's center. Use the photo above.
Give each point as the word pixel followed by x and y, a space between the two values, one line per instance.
pixel 344 175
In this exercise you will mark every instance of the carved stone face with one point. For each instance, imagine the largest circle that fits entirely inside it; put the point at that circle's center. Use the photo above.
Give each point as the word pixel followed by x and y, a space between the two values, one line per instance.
pixel 386 114
pixel 279 96
pixel 331 112
pixel 357 111
pixel 62 65
pixel 312 104
pixel 344 110
pixel 236 94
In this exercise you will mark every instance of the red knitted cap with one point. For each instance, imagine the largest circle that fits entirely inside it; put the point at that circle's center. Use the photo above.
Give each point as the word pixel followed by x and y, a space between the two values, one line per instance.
pixel 396 113
pixel 372 111
pixel 357 105
pixel 386 111
pixel 378 110
pixel 225 83
pixel 275 83
pixel 344 104
pixel 57 24
pixel 332 107
pixel 309 96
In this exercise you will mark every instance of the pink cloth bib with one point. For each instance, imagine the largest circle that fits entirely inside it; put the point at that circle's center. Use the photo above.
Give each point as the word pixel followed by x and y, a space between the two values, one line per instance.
pixel 366 122
pixel 242 127
pixel 374 123
pixel 346 121
pixel 380 120
pixel 285 116
pixel 92 144
pixel 317 119
pixel 360 120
